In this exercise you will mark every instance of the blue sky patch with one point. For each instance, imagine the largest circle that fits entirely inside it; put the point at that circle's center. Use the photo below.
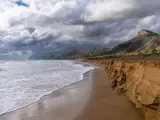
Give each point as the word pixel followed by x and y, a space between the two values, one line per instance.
pixel 21 3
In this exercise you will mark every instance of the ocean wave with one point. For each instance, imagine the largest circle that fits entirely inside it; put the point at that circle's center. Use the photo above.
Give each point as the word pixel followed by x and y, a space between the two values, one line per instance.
pixel 24 82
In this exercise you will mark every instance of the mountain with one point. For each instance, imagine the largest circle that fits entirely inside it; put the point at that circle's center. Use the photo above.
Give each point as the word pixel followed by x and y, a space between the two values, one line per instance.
pixel 144 40
pixel 72 54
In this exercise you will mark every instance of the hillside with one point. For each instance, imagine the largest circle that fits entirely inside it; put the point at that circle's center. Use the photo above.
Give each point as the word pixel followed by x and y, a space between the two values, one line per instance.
pixel 145 40
pixel 72 54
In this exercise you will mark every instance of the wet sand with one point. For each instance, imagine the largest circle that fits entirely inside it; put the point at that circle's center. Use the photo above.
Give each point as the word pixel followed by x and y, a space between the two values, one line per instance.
pixel 63 104
pixel 105 104
pixel 84 100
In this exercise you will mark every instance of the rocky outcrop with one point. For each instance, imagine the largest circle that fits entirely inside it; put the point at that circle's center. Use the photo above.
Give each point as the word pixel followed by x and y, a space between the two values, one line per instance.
pixel 140 81
pixel 146 33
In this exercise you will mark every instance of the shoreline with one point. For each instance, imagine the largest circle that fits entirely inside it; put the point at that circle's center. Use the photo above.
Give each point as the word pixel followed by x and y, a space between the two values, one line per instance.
pixel 52 100
pixel 88 99
pixel 106 104
pixel 85 77
pixel 138 80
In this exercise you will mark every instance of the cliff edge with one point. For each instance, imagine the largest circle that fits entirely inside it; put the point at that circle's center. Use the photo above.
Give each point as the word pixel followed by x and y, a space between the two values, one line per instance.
pixel 139 80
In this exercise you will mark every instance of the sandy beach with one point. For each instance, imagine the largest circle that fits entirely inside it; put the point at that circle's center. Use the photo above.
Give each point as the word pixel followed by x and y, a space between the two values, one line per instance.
pixel 105 104
pixel 89 99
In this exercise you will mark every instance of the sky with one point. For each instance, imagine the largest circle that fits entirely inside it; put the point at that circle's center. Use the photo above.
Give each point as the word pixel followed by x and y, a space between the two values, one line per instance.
pixel 40 26
pixel 21 3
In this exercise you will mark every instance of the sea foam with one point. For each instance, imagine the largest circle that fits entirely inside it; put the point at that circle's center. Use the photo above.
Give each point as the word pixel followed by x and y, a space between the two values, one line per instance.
pixel 24 82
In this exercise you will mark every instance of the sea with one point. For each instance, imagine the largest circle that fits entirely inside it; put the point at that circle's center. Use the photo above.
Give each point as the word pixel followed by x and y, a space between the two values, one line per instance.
pixel 25 82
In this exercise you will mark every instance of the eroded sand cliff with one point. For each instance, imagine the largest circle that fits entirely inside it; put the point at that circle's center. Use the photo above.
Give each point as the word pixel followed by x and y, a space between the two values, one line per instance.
pixel 139 80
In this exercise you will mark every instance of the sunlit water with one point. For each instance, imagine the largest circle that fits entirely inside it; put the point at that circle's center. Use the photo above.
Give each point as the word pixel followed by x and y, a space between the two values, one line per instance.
pixel 24 82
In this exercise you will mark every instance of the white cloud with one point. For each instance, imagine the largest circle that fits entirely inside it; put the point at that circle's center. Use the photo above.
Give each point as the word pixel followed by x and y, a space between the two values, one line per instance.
pixel 112 10
pixel 108 10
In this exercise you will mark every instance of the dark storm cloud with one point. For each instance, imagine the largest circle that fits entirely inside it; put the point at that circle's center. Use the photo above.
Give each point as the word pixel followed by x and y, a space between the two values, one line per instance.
pixel 60 25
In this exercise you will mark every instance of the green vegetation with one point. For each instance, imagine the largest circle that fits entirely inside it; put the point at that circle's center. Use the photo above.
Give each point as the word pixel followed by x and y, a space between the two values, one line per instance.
pixel 84 53
pixel 154 51
pixel 95 52
pixel 75 54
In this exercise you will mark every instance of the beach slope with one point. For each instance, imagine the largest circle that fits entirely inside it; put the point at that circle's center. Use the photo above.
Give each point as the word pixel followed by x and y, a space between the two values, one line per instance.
pixel 84 100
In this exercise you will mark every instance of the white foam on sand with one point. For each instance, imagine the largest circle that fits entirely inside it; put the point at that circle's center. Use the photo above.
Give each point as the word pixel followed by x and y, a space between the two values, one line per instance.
pixel 24 82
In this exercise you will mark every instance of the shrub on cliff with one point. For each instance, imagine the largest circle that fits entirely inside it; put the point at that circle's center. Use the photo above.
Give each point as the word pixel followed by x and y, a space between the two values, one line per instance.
pixel 154 51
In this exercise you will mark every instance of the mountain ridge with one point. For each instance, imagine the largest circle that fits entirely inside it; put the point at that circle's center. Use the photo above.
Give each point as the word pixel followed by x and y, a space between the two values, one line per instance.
pixel 145 42
pixel 144 39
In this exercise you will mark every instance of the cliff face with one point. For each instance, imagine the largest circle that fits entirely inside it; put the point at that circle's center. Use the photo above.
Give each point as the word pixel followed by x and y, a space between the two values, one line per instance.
pixel 140 81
